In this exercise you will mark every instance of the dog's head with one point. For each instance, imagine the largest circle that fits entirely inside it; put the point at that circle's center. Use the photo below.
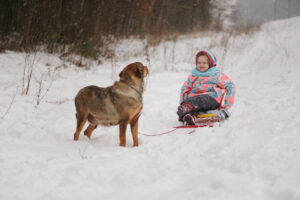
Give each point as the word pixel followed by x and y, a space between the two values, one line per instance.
pixel 134 72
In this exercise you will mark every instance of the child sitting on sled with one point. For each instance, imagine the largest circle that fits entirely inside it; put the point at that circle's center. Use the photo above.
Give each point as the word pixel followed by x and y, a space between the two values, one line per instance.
pixel 202 91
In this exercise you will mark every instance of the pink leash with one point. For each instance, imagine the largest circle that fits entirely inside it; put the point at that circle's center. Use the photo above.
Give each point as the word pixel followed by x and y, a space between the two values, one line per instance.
pixel 167 132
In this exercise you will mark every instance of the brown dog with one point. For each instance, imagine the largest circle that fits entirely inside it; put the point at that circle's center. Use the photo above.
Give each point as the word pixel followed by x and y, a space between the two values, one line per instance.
pixel 120 104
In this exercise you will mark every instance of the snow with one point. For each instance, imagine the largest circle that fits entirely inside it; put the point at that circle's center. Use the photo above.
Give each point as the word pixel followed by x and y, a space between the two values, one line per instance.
pixel 253 155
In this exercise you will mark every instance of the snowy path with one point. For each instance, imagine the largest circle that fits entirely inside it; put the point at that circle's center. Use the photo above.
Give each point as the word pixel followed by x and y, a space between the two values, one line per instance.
pixel 254 155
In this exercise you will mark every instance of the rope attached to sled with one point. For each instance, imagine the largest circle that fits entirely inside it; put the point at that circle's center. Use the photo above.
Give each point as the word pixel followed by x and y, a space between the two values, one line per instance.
pixel 167 132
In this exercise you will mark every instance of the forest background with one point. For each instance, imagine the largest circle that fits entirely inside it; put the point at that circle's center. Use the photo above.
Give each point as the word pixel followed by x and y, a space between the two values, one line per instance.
pixel 89 28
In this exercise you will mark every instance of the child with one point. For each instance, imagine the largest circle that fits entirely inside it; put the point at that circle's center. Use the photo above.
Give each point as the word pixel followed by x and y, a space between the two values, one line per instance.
pixel 203 90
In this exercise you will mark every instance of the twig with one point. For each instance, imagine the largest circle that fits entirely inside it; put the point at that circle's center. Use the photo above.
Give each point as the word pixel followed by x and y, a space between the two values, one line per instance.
pixel 147 54
pixel 10 105
pixel 27 73
pixel 47 90
pixel 82 153
pixel 40 97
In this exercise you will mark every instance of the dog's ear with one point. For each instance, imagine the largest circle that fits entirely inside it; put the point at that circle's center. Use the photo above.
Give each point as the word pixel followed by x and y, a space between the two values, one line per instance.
pixel 138 73
pixel 121 74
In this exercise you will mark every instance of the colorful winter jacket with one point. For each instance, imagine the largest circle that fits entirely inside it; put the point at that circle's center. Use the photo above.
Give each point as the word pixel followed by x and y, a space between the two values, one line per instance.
pixel 211 82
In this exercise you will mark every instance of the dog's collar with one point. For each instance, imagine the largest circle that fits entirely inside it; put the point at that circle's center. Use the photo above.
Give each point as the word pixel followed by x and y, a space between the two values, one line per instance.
pixel 136 91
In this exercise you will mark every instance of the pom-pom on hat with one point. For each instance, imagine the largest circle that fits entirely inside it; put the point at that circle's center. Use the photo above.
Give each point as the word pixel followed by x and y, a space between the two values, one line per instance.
pixel 211 57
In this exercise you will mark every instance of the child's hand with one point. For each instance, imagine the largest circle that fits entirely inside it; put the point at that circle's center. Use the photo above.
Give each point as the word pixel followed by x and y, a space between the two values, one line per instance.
pixel 225 113
pixel 225 107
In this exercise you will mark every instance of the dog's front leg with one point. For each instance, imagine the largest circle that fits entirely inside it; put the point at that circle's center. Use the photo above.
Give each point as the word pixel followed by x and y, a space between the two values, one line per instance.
pixel 122 135
pixel 134 130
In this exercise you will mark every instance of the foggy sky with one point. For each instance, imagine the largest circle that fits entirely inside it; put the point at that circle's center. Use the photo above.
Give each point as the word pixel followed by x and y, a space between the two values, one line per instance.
pixel 260 11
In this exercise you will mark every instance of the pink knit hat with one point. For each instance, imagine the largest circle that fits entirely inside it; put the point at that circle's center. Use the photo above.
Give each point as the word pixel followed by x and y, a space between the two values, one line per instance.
pixel 211 57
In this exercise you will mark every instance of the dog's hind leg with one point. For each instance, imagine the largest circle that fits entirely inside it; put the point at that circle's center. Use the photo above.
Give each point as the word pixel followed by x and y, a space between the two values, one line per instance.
pixel 88 132
pixel 122 135
pixel 81 120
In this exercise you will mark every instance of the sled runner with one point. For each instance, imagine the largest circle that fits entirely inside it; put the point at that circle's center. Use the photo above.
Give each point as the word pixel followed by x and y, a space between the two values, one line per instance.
pixel 202 120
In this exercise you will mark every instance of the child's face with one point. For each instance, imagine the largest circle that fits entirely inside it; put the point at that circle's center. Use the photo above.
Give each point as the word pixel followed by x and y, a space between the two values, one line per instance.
pixel 202 63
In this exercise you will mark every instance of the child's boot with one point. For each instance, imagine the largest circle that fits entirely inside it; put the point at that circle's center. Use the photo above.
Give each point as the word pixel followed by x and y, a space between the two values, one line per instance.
pixel 189 119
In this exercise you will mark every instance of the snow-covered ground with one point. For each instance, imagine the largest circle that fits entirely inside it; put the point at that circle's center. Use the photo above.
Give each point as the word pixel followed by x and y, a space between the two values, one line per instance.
pixel 253 155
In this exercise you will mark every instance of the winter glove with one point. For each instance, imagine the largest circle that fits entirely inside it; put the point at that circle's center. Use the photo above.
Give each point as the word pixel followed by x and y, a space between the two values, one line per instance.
pixel 224 114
